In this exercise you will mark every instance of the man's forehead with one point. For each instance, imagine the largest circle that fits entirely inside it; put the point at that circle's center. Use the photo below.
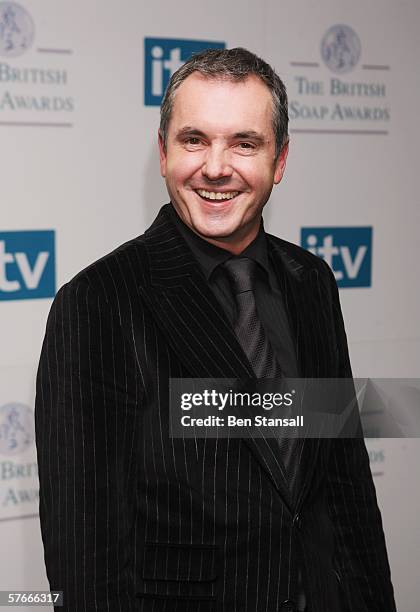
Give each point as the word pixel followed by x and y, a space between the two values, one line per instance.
pixel 241 104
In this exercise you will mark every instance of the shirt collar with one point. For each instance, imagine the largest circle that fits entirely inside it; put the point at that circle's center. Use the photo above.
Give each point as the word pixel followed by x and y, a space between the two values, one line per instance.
pixel 210 256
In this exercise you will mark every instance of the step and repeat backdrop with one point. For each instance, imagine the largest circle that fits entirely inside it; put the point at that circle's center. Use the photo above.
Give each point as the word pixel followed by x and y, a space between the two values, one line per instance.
pixel 80 88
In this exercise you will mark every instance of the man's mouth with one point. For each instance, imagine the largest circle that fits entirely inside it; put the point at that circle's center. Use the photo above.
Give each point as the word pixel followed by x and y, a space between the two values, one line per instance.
pixel 217 195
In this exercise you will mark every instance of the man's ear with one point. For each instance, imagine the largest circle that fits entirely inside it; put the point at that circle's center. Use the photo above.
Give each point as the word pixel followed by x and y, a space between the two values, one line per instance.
pixel 162 154
pixel 281 163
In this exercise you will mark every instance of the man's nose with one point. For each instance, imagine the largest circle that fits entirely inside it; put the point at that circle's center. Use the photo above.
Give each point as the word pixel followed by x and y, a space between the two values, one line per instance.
pixel 217 163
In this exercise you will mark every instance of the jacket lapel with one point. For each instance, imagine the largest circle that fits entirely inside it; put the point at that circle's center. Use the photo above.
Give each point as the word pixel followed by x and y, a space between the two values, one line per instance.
pixel 186 309
pixel 307 306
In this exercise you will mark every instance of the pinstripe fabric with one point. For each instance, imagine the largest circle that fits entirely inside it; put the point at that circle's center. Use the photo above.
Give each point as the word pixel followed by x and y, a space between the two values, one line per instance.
pixel 134 520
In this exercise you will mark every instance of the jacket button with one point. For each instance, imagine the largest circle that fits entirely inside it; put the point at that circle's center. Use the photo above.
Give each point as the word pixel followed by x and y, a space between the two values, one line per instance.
pixel 288 605
pixel 297 521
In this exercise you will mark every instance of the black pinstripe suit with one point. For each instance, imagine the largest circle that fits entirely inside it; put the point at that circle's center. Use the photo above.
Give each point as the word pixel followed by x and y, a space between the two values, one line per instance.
pixel 134 520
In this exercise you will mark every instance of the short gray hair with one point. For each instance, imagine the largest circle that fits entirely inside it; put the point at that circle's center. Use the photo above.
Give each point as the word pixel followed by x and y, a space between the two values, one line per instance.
pixel 235 65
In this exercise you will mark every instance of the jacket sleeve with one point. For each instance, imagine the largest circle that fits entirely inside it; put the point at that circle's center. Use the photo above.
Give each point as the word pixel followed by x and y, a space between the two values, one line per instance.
pixel 361 558
pixel 86 432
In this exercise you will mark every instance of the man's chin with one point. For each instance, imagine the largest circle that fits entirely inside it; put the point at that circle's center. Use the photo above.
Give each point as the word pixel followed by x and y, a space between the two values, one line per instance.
pixel 214 229
pixel 223 237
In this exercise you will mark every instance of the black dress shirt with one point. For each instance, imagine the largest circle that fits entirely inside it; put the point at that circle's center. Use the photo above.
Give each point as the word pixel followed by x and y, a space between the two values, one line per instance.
pixel 268 297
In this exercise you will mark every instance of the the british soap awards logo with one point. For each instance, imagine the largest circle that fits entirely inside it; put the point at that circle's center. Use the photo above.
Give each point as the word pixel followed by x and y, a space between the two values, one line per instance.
pixel 34 85
pixel 16 29
pixel 347 250
pixel 341 48
pixel 340 94
pixel 163 56
pixel 27 265
pixel 17 429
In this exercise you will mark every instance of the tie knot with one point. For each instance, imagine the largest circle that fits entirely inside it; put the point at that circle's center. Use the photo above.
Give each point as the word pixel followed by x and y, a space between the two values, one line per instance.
pixel 241 272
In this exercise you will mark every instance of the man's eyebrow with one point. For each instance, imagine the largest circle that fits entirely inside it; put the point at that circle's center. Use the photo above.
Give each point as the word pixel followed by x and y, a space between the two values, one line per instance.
pixel 247 134
pixel 252 134
pixel 189 131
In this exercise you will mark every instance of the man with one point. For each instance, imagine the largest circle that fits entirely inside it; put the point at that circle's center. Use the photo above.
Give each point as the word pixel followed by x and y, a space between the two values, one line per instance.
pixel 133 519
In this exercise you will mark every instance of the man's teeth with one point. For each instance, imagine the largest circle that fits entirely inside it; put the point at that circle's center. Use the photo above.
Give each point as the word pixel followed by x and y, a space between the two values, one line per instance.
pixel 213 195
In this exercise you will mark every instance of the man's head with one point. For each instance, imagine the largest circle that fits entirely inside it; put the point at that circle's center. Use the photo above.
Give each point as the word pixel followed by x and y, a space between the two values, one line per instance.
pixel 223 134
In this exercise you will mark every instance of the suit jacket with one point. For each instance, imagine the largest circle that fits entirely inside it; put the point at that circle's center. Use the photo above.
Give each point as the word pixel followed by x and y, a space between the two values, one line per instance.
pixel 135 520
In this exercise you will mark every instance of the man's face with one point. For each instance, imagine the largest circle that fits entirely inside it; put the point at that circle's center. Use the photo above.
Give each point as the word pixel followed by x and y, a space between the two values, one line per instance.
pixel 219 163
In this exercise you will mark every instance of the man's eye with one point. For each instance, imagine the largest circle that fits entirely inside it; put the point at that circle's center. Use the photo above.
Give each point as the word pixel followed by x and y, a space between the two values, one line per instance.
pixel 246 145
pixel 193 140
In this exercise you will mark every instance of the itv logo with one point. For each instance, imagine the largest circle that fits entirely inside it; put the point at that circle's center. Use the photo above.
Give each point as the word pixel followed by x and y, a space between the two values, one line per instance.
pixel 347 250
pixel 27 265
pixel 163 56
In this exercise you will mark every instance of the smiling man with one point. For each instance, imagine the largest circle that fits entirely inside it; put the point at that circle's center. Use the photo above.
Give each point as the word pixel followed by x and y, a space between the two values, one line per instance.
pixel 219 156
pixel 133 519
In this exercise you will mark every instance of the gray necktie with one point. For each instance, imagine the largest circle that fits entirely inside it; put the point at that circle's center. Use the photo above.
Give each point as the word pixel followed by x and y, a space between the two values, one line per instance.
pixel 248 327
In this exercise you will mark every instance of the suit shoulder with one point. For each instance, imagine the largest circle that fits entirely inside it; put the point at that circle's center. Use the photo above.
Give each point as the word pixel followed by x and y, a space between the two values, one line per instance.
pixel 117 272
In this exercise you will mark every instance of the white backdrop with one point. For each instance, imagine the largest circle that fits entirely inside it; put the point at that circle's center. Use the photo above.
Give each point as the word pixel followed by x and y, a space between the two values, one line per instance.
pixel 79 157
